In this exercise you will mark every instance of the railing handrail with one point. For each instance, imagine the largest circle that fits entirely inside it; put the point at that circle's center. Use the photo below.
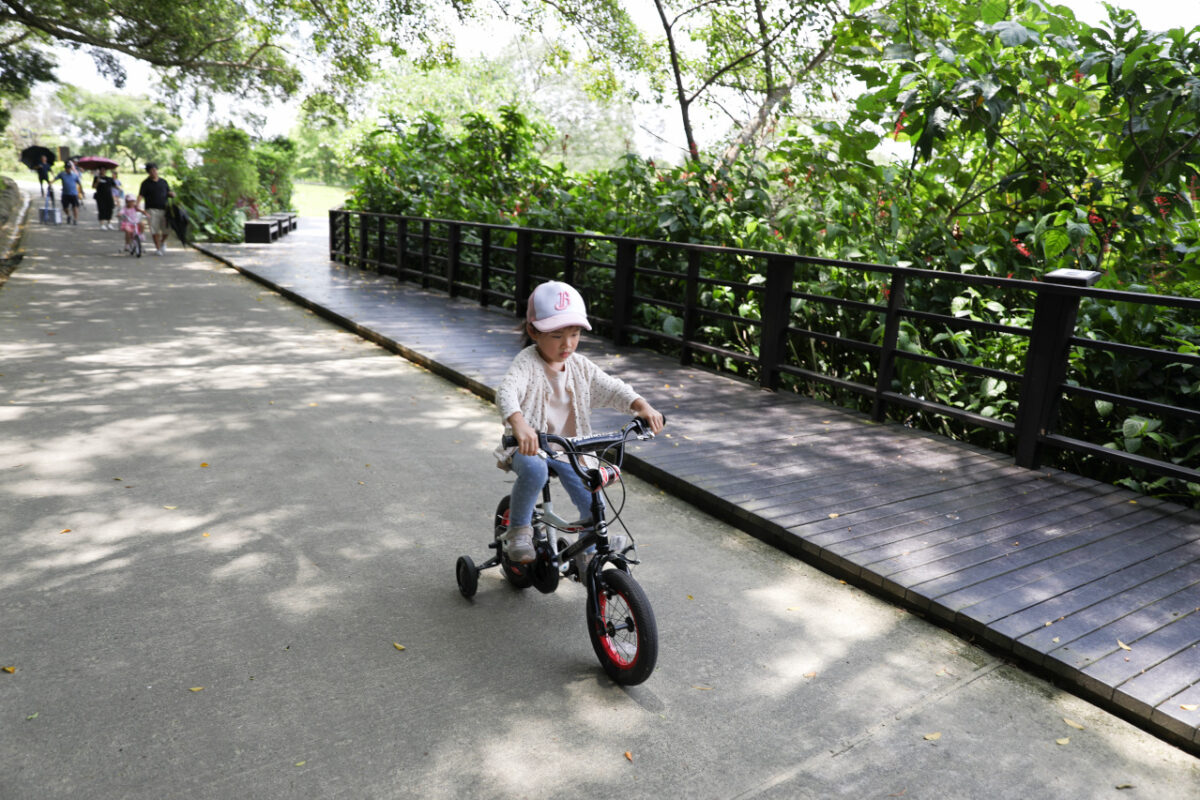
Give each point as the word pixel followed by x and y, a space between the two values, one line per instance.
pixel 1115 295
pixel 1051 335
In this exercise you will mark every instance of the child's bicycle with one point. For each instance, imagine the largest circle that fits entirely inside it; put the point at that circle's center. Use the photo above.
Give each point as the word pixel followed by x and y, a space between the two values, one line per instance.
pixel 135 244
pixel 620 621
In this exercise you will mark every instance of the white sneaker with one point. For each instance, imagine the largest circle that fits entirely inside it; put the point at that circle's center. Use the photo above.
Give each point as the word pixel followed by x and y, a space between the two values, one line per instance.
pixel 158 252
pixel 518 544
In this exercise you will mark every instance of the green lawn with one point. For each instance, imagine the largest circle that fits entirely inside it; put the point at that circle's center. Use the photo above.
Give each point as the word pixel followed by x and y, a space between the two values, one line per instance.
pixel 315 200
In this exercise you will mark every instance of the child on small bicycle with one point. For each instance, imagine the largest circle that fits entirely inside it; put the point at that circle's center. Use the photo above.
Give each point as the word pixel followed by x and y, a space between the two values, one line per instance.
pixel 131 220
pixel 551 388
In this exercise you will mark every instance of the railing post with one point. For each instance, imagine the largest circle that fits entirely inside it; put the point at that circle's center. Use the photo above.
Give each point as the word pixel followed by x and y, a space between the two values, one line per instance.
pixel 333 226
pixel 401 248
pixel 691 302
pixel 569 260
pixel 426 251
pixel 524 260
pixel 776 311
pixel 346 237
pixel 887 353
pixel 485 266
pixel 454 235
pixel 623 280
pixel 380 242
pixel 1054 315
pixel 362 240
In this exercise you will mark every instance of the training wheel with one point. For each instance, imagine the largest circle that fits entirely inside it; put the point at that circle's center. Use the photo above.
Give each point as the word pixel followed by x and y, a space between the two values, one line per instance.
pixel 467 575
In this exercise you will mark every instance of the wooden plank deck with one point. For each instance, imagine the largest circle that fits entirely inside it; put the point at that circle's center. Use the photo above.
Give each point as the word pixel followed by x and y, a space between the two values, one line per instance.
pixel 1095 585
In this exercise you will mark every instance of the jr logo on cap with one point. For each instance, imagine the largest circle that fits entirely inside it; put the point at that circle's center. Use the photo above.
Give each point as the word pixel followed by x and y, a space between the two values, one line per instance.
pixel 564 300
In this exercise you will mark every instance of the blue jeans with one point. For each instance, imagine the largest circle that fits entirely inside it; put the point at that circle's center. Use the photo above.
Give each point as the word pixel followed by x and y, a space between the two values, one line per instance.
pixel 532 472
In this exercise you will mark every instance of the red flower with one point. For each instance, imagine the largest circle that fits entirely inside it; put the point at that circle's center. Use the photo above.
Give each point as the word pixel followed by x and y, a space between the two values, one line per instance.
pixel 1095 219
pixel 1043 187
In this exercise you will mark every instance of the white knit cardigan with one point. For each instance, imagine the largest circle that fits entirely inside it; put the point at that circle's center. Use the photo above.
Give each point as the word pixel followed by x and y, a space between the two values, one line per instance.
pixel 526 388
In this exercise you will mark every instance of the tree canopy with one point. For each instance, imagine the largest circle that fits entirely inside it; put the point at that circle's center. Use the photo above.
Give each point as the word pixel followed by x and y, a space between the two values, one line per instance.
pixel 251 48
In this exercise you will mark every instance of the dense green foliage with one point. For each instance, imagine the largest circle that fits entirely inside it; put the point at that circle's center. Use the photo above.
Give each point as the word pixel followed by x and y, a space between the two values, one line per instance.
pixel 238 179
pixel 999 138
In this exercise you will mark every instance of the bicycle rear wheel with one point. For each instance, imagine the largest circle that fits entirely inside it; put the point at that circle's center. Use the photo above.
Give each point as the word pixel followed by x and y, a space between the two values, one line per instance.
pixel 520 576
pixel 621 625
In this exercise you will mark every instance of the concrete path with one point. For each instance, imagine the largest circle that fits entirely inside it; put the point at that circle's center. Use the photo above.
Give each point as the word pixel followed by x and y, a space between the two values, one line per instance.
pixel 221 512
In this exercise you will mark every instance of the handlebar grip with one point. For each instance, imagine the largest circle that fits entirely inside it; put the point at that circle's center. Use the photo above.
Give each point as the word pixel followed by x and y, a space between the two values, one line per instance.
pixel 511 441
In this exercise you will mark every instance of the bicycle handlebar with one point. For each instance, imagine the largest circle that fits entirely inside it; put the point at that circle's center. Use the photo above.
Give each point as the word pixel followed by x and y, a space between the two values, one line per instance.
pixel 581 444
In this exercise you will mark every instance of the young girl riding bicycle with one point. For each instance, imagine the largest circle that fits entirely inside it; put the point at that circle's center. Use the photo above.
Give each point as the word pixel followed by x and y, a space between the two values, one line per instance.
pixel 131 220
pixel 551 388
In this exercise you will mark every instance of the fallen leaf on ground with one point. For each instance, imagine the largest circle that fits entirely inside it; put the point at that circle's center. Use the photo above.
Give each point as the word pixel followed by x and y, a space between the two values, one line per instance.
pixel 196 689
pixel 1064 740
pixel 301 763
pixel 703 688
pixel 1073 724
pixel 9 670
pixel 1188 707
pixel 65 530
pixel 629 755
pixel 810 674
pixel 932 737
pixel 1125 785
pixel 397 646
pixel 34 715
pixel 170 508
pixel 1122 645
pixel 834 516
pixel 204 463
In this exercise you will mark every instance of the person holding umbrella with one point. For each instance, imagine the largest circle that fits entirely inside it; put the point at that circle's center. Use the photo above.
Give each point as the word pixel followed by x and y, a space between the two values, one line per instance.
pixel 105 188
pixel 43 173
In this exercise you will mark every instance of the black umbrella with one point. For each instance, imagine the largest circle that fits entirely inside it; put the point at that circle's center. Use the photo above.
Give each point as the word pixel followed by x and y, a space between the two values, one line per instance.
pixel 32 156
pixel 177 218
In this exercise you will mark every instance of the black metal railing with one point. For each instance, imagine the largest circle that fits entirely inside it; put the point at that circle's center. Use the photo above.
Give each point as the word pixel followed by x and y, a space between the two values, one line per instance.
pixel 790 325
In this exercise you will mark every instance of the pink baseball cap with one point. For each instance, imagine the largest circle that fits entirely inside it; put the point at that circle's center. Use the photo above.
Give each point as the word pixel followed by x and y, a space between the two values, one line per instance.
pixel 555 305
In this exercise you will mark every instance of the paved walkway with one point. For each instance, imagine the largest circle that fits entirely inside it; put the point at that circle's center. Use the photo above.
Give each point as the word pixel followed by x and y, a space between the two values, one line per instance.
pixel 220 512
pixel 1098 586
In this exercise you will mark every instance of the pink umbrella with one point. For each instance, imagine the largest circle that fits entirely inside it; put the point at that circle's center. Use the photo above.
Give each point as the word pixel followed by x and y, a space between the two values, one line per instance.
pixel 95 162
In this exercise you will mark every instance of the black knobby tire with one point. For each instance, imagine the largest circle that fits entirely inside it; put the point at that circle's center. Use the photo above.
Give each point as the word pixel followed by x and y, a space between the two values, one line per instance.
pixel 467 575
pixel 622 628
pixel 137 247
pixel 519 576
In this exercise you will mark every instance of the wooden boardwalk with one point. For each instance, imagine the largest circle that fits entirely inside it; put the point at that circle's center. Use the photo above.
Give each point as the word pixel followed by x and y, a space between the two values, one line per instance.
pixel 1096 585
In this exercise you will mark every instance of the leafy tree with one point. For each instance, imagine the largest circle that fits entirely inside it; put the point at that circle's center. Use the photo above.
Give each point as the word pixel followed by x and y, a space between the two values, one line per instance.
pixel 235 46
pixel 274 161
pixel 20 68
pixel 744 58
pixel 126 128
pixel 1036 142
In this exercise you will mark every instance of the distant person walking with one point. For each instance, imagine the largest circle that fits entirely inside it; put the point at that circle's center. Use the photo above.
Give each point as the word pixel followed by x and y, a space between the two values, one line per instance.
pixel 118 190
pixel 104 186
pixel 72 183
pixel 43 171
pixel 153 196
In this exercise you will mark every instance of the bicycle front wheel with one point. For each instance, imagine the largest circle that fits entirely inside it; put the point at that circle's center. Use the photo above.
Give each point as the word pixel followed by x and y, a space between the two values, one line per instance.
pixel 621 626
